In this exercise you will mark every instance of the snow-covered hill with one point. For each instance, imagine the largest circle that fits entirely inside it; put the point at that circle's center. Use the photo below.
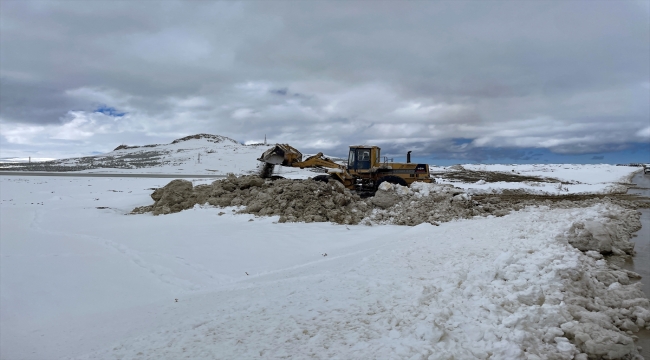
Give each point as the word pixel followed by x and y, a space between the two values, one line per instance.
pixel 194 154
pixel 200 154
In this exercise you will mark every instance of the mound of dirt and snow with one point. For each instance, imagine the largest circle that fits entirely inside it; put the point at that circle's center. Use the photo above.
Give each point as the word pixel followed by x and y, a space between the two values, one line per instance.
pixel 425 203
pixel 292 200
pixel 437 203
pixel 315 201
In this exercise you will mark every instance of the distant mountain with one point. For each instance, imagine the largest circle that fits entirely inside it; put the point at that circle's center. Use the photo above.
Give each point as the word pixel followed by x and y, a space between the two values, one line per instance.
pixel 208 137
pixel 200 153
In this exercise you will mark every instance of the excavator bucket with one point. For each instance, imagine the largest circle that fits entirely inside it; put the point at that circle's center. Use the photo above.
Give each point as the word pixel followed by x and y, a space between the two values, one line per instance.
pixel 281 154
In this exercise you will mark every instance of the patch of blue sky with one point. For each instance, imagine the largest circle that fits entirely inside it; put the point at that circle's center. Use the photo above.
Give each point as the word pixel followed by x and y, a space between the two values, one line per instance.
pixel 110 111
pixel 635 153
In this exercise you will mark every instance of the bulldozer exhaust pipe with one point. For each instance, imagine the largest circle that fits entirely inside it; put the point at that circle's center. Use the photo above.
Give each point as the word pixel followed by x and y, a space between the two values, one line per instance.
pixel 408 157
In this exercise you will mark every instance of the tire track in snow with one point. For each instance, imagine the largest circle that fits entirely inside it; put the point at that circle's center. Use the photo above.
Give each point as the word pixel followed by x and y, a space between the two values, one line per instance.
pixel 162 274
pixel 400 300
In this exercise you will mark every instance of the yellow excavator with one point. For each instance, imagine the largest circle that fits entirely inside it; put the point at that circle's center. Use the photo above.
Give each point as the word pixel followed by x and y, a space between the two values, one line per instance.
pixel 364 171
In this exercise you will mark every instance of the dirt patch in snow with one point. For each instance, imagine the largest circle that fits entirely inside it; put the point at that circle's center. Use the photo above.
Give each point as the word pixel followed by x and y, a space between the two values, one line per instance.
pixel 461 174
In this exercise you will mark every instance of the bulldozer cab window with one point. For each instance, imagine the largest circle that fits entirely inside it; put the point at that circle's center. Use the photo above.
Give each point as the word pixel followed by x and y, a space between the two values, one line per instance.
pixel 364 155
pixel 359 159
pixel 352 158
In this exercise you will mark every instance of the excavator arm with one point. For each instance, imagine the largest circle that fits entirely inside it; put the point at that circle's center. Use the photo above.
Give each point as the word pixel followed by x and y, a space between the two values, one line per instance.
pixel 287 155
pixel 318 161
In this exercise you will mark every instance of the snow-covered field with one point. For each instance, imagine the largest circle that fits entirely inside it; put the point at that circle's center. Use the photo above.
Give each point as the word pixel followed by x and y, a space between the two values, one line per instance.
pixel 571 178
pixel 80 278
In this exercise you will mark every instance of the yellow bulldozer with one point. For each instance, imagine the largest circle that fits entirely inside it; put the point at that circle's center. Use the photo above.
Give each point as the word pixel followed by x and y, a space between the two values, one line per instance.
pixel 364 171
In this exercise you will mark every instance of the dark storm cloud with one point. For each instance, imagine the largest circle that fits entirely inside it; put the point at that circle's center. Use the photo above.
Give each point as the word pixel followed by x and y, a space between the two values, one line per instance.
pixel 570 77
pixel 27 102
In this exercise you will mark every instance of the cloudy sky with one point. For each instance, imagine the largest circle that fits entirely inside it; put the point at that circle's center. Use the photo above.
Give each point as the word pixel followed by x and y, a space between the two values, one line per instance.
pixel 454 81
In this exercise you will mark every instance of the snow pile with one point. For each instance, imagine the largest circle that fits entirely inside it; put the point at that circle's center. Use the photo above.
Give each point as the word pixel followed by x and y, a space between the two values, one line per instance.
pixel 605 309
pixel 605 306
pixel 292 200
pixel 423 203
pixel 437 203
pixel 610 235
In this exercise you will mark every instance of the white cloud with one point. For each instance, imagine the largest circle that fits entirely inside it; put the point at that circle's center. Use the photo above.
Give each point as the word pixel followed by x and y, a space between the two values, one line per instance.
pixel 321 74
pixel 176 45
pixel 244 114
pixel 644 133
pixel 76 129
pixel 415 109
pixel 21 134
pixel 189 102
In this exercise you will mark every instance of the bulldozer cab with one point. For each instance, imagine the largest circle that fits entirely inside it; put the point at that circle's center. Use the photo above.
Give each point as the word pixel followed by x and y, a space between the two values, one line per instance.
pixel 362 157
